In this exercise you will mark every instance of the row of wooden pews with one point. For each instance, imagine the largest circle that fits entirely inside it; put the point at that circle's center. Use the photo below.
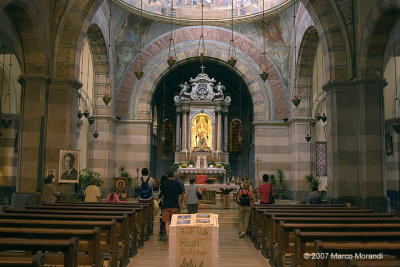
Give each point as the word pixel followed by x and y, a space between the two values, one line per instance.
pixel 73 234
pixel 325 235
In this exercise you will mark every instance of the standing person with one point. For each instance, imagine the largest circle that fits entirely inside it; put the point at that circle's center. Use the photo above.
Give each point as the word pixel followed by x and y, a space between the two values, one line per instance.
pixel 92 192
pixel 245 197
pixel 314 197
pixel 49 192
pixel 160 203
pixel 192 201
pixel 265 190
pixel 182 185
pixel 145 187
pixel 71 173
pixel 245 179
pixel 172 195
pixel 113 196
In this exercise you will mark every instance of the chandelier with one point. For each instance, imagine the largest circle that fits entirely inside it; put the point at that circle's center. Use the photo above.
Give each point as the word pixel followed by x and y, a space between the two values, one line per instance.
pixel 107 87
pixel 139 69
pixel 171 48
pixel 295 99
pixel 201 50
pixel 396 124
pixel 263 64
pixel 232 51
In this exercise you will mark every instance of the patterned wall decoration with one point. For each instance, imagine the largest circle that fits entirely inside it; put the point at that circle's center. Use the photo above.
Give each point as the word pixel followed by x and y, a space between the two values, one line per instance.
pixel 321 159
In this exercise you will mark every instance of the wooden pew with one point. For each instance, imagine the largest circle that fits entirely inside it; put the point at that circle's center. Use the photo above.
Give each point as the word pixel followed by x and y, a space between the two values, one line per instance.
pixel 302 238
pixel 286 234
pixel 20 260
pixel 67 246
pixel 144 216
pixel 147 213
pixel 325 253
pixel 122 225
pixel 107 228
pixel 372 263
pixel 267 221
pixel 275 220
pixel 93 256
pixel 86 211
pixel 256 230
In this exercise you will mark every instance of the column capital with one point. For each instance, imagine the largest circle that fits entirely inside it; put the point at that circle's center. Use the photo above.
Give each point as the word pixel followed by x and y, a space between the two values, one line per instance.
pixel 344 85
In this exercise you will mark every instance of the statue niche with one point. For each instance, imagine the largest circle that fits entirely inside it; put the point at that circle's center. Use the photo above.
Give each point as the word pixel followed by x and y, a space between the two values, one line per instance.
pixel 201 133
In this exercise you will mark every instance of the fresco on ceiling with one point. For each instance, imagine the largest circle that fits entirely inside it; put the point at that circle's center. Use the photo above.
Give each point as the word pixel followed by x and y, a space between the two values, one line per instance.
pixel 127 31
pixel 213 9
pixel 278 34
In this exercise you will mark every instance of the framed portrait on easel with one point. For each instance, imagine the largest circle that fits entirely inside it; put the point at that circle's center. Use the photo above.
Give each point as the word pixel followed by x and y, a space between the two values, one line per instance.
pixel 68 166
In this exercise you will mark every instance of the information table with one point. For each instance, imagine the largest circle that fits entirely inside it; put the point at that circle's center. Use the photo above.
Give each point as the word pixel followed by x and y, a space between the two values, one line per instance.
pixel 193 240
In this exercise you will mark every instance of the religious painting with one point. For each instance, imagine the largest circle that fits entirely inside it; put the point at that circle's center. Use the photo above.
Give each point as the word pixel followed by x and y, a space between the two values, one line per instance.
pixel 168 136
pixel 201 132
pixel 321 159
pixel 68 166
pixel 236 136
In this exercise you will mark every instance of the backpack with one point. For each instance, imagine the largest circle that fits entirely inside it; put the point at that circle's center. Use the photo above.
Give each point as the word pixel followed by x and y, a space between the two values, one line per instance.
pixel 145 190
pixel 245 199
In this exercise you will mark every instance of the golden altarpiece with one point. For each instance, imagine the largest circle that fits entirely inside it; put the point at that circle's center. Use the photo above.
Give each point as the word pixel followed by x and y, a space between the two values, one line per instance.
pixel 202 108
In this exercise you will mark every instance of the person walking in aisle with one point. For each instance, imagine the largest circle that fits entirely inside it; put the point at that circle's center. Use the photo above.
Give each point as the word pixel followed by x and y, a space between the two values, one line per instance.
pixel 245 197
pixel 172 195
pixel 192 201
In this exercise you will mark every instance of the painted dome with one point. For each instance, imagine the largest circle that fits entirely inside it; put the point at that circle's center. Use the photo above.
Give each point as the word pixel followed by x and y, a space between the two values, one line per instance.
pixel 214 10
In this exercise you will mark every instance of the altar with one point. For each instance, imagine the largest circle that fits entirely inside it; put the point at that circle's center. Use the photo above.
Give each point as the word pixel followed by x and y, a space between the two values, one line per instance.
pixel 206 171
pixel 202 124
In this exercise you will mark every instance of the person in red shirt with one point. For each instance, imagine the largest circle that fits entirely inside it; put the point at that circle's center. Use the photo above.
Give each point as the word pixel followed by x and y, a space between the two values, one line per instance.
pixel 113 196
pixel 265 190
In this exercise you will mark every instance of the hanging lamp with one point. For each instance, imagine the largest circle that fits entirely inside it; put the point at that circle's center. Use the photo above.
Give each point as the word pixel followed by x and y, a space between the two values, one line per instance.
pixel 232 50
pixel 396 124
pixel 6 120
pixel 308 133
pixel 2 81
pixel 201 50
pixel 107 94
pixel 139 70
pixel 263 63
pixel 95 134
pixel 296 99
pixel 163 137
pixel 171 48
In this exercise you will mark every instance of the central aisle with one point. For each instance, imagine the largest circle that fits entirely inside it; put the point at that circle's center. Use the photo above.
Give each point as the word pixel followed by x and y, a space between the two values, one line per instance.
pixel 233 251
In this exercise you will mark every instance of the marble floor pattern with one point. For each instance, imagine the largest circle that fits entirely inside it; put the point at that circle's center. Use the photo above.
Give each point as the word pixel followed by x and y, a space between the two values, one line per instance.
pixel 233 251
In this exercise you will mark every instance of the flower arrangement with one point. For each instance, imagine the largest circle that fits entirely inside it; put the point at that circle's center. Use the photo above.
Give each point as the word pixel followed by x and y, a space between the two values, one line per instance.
pixel 218 165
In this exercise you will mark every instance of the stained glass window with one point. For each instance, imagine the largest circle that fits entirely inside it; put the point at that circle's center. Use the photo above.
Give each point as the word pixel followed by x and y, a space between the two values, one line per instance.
pixel 321 159
pixel 236 136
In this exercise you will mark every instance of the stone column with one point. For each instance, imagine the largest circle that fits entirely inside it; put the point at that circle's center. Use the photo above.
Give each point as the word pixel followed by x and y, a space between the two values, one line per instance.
pixel 226 131
pixel 215 123
pixel 355 155
pixel 178 126
pixel 219 134
pixel 184 130
pixel 32 132
pixel 371 143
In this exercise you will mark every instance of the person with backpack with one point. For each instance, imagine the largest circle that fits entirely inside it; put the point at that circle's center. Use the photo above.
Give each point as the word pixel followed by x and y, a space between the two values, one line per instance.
pixel 244 198
pixel 145 187
pixel 266 191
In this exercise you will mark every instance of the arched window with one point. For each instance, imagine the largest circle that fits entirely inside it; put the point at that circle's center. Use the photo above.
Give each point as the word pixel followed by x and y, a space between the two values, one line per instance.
pixel 236 136
pixel 168 136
